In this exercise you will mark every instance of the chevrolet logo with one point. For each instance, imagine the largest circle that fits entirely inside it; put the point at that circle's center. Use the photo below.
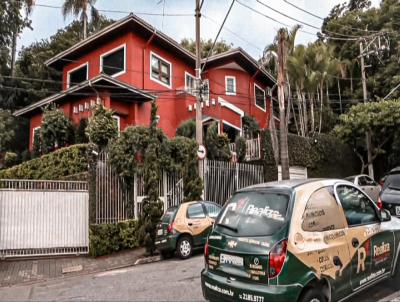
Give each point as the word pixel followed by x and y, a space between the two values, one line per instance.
pixel 232 244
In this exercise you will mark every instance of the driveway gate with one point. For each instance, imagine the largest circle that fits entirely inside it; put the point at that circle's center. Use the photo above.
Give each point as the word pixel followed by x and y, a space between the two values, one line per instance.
pixel 43 218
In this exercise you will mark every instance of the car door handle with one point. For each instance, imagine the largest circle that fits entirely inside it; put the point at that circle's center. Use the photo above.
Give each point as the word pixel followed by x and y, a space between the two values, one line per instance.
pixel 337 261
pixel 355 242
pixel 190 224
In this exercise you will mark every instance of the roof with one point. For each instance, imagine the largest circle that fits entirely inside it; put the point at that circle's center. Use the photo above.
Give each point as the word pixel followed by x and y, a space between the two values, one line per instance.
pixel 128 23
pixel 394 170
pixel 242 57
pixel 120 89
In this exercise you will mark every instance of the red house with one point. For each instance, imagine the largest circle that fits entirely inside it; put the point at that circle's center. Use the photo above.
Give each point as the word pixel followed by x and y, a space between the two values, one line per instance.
pixel 130 63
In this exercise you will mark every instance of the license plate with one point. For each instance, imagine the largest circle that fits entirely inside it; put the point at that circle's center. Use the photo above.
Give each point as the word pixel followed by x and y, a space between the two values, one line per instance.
pixel 160 232
pixel 398 210
pixel 230 259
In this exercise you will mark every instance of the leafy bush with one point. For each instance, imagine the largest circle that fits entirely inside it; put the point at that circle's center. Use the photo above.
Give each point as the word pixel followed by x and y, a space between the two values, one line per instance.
pixel 63 162
pixel 251 128
pixel 10 159
pixel 102 127
pixel 56 130
pixel 80 135
pixel 108 238
pixel 6 129
pixel 217 144
pixel 240 145
pixel 323 155
pixel 187 129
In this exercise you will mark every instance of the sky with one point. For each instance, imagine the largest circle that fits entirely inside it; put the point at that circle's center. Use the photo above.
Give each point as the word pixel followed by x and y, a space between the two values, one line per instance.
pixel 244 28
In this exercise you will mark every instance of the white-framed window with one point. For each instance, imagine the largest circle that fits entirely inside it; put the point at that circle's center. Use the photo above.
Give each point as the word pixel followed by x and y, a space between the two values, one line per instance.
pixel 75 109
pixel 160 70
pixel 78 75
pixel 118 120
pixel 190 83
pixel 206 90
pixel 87 107
pixel 92 104
pixel 230 85
pixel 80 108
pixel 259 96
pixel 35 131
pixel 113 62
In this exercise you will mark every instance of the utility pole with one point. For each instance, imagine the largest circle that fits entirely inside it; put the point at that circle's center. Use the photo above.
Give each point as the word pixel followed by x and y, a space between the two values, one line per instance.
pixel 365 97
pixel 281 97
pixel 199 122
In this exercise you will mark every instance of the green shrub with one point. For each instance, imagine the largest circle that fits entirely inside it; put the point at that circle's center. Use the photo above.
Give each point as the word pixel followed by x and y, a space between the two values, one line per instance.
pixel 323 155
pixel 53 166
pixel 187 129
pixel 102 127
pixel 217 145
pixel 240 145
pixel 108 238
pixel 10 159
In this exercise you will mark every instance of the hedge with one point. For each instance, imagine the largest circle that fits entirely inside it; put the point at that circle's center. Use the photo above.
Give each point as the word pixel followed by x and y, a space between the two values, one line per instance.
pixel 323 155
pixel 108 238
pixel 53 166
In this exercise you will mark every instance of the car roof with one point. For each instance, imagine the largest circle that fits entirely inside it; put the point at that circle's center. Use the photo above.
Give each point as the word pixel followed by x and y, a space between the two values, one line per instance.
pixel 394 170
pixel 293 184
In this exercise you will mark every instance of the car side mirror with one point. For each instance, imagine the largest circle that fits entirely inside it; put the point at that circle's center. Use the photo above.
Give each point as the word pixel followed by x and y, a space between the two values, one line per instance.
pixel 385 215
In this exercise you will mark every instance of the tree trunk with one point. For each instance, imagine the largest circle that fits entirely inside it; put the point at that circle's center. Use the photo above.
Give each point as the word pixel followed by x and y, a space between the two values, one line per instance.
pixel 312 113
pixel 301 115
pixel 321 87
pixel 84 26
pixel 274 135
pixel 14 52
pixel 305 111
pixel 282 115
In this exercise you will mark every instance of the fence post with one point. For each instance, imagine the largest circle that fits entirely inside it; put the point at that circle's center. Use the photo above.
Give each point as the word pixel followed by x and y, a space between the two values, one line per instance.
pixel 203 172
pixel 93 162
pixel 135 201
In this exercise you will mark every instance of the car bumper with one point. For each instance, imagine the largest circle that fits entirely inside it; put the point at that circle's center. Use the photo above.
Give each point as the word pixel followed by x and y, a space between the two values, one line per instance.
pixel 166 243
pixel 217 288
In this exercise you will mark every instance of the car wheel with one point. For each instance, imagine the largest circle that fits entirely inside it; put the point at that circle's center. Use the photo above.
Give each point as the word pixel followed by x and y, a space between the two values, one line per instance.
pixel 184 247
pixel 167 254
pixel 313 294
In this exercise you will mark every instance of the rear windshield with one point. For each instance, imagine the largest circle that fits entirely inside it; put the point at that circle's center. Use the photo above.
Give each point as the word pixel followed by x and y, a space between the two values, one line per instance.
pixel 392 182
pixel 169 215
pixel 253 214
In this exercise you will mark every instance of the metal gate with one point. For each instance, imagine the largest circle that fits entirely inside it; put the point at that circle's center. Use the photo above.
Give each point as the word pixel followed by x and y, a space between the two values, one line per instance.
pixel 43 218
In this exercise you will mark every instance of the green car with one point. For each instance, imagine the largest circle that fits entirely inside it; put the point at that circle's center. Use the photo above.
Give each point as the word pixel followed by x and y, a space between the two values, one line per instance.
pixel 185 228
pixel 299 240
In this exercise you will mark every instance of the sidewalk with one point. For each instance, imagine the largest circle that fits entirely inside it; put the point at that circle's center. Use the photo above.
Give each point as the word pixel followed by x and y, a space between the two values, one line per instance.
pixel 13 272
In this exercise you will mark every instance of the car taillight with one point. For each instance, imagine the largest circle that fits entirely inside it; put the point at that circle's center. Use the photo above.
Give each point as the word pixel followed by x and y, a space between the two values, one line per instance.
pixel 170 227
pixel 379 203
pixel 206 251
pixel 277 257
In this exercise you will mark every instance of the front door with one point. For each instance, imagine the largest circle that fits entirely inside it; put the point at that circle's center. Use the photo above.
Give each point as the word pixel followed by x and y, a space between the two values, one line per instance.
pixel 197 223
pixel 371 244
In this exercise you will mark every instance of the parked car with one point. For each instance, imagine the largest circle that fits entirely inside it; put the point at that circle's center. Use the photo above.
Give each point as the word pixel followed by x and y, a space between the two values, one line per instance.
pixel 390 195
pixel 367 184
pixel 185 228
pixel 299 240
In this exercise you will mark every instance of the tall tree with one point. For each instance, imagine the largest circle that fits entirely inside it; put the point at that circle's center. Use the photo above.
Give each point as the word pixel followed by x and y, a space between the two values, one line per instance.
pixel 82 8
pixel 220 47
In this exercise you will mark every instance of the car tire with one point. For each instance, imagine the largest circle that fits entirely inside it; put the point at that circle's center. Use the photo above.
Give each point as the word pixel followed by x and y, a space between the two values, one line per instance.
pixel 313 294
pixel 167 254
pixel 184 247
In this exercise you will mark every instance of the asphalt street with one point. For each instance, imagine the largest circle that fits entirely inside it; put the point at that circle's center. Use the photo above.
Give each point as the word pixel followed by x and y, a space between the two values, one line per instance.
pixel 172 280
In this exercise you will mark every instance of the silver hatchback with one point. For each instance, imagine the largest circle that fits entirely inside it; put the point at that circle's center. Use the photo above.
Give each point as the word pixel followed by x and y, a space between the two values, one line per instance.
pixel 367 184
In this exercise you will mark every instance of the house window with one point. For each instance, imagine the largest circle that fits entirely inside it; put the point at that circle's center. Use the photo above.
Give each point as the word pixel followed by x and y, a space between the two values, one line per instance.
pixel 87 106
pixel 80 108
pixel 230 85
pixel 160 70
pixel 92 103
pixel 260 97
pixel 35 133
pixel 206 90
pixel 190 83
pixel 118 120
pixel 77 75
pixel 113 62
pixel 75 109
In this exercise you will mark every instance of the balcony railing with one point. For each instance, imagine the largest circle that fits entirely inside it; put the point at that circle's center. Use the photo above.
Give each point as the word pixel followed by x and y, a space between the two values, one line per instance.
pixel 253 149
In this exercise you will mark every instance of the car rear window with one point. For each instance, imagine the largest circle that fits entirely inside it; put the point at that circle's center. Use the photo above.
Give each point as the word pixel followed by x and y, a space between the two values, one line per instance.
pixel 392 182
pixel 254 213
pixel 169 215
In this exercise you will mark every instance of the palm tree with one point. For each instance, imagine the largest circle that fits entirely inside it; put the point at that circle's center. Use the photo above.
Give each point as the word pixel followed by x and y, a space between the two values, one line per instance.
pixel 81 7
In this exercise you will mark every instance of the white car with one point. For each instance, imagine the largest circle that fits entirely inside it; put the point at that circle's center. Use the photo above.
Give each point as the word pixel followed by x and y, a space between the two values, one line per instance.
pixel 367 184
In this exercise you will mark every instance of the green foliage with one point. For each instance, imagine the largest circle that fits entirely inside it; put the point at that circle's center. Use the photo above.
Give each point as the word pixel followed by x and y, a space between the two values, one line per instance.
pixel 217 144
pixel 240 144
pixel 206 45
pixel 381 120
pixel 152 205
pixel 37 145
pixel 56 130
pixel 6 129
pixel 324 156
pixel 251 128
pixel 108 238
pixel 10 159
pixel 102 127
pixel 187 129
pixel 66 161
pixel 80 135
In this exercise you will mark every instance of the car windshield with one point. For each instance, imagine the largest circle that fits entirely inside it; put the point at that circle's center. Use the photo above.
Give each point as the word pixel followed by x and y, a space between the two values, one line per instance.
pixel 169 215
pixel 254 213
pixel 392 182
